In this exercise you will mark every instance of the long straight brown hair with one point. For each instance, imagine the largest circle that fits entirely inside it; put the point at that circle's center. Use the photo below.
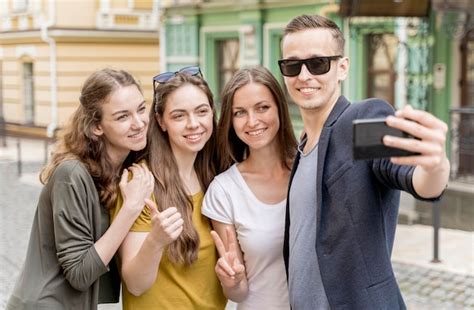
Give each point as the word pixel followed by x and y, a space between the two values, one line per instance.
pixel 77 140
pixel 169 188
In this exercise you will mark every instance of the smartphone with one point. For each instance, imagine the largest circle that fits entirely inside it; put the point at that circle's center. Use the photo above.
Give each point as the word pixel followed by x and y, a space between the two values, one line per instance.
pixel 367 139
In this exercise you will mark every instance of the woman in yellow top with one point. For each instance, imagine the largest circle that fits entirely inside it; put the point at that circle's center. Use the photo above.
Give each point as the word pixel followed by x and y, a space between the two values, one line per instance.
pixel 168 257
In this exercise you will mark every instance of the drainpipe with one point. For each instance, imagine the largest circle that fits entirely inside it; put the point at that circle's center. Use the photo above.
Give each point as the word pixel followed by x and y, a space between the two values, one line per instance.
pixel 52 66
pixel 162 35
pixel 402 63
pixel 2 119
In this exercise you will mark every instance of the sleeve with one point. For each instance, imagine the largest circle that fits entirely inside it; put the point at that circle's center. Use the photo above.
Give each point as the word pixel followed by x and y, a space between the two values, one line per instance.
pixel 217 204
pixel 74 235
pixel 397 176
pixel 143 221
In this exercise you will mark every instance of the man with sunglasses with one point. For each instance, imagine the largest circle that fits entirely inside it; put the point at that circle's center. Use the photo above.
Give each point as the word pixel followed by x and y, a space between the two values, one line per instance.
pixel 342 214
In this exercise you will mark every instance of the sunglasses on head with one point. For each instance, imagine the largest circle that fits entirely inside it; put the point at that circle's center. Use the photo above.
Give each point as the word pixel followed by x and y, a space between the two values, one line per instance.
pixel 315 65
pixel 166 76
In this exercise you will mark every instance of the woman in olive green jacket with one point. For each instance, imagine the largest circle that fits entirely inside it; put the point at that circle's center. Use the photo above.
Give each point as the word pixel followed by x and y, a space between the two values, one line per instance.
pixel 71 244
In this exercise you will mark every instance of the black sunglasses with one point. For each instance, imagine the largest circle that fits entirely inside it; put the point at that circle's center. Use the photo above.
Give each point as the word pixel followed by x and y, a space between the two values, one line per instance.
pixel 315 65
pixel 166 76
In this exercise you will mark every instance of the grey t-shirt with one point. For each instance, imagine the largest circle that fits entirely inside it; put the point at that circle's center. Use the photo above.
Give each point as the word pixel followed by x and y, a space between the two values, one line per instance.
pixel 305 286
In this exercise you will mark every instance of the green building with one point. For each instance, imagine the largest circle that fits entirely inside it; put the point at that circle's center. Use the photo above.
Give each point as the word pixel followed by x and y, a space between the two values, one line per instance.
pixel 417 52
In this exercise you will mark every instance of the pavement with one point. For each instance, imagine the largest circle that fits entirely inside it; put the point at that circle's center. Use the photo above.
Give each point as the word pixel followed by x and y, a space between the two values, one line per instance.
pixel 448 284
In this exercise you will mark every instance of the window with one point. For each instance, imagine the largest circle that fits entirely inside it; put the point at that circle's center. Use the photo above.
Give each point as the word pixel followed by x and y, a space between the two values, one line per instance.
pixel 228 61
pixel 381 72
pixel 28 94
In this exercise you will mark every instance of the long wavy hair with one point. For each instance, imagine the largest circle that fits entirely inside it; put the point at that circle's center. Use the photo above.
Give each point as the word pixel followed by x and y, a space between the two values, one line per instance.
pixel 230 148
pixel 169 188
pixel 77 140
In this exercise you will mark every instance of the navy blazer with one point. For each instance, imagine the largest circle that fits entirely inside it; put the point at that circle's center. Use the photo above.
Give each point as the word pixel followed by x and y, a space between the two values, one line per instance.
pixel 357 213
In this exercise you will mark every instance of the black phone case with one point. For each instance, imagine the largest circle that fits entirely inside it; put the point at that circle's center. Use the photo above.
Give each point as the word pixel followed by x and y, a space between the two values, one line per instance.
pixel 367 139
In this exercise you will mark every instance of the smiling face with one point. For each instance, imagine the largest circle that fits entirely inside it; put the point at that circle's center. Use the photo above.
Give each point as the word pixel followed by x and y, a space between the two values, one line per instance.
pixel 124 123
pixel 255 116
pixel 188 119
pixel 314 91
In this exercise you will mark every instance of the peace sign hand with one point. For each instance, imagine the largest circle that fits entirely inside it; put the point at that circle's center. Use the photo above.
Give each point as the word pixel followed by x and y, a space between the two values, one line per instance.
pixel 228 268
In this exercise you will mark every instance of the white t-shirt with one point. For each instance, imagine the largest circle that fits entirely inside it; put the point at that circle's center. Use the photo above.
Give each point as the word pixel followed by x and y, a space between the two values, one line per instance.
pixel 260 230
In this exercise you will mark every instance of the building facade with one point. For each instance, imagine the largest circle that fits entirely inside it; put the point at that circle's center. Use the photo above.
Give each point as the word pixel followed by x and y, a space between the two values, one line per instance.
pixel 49 47
pixel 407 52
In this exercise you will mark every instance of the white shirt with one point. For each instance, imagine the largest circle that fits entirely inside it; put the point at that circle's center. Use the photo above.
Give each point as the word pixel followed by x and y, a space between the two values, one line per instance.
pixel 260 230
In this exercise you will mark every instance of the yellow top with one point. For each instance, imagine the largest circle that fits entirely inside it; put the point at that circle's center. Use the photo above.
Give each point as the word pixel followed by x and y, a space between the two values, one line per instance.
pixel 178 286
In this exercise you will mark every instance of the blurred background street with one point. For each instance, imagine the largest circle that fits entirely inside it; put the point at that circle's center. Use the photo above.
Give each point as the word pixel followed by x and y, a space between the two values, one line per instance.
pixel 425 285
pixel 407 52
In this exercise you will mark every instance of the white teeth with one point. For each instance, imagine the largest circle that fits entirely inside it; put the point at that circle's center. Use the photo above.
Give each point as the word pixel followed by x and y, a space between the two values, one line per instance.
pixel 307 90
pixel 256 132
pixel 137 135
pixel 193 137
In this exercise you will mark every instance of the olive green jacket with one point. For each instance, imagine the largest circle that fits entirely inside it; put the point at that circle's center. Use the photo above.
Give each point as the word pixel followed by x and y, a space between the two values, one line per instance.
pixel 62 267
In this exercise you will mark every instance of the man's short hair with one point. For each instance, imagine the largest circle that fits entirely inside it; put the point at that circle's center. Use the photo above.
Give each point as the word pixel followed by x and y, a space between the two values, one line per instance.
pixel 305 22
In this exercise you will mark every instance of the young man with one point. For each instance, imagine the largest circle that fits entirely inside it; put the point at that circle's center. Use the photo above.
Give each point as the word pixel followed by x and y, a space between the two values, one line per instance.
pixel 341 213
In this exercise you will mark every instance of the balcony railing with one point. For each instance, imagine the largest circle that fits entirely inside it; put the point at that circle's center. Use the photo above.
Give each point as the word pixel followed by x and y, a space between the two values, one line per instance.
pixel 20 21
pixel 125 19
pixel 462 144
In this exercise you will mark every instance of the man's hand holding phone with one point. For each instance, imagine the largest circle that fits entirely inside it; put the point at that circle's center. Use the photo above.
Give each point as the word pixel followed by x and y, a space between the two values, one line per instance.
pixel 411 137
pixel 430 138
pixel 431 173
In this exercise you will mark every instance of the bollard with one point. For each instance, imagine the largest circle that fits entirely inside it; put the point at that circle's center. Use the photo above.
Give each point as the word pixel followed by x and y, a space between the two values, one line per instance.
pixel 436 223
pixel 18 149
pixel 46 143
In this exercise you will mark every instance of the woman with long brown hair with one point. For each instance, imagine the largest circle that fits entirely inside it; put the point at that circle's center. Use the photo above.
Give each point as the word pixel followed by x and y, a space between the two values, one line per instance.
pixel 71 243
pixel 168 257
pixel 246 201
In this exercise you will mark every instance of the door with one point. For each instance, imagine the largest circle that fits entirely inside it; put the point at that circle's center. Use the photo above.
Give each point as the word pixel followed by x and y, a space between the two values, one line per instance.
pixel 381 70
pixel 228 61
pixel 466 125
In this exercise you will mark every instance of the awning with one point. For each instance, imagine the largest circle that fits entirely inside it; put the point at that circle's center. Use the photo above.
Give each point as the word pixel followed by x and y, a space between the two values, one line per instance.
pixel 409 8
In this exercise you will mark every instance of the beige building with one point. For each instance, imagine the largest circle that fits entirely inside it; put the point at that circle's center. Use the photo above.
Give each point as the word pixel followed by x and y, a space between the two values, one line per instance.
pixel 49 47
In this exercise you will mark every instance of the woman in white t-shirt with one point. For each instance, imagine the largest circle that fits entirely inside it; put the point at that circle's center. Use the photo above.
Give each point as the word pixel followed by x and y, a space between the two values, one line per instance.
pixel 246 202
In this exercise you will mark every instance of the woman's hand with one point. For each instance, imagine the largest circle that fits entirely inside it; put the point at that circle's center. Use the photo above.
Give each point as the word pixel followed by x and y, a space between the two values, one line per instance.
pixel 138 188
pixel 228 268
pixel 166 225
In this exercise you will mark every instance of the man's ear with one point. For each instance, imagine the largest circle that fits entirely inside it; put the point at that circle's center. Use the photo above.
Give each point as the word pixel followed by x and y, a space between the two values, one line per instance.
pixel 343 68
pixel 97 130
pixel 160 122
